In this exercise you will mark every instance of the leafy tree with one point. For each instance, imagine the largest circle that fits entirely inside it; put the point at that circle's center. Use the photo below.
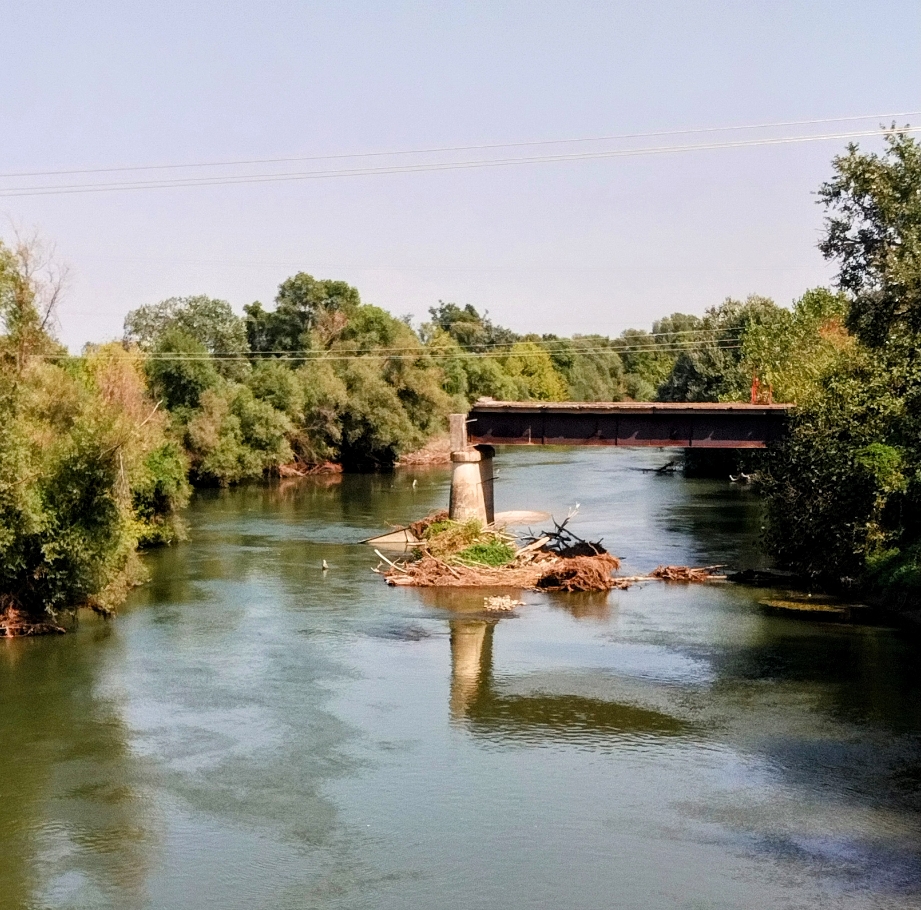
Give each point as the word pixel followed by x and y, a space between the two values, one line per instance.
pixel 714 368
pixel 649 358
pixel 530 366
pixel 375 425
pixel 308 312
pixel 843 488
pixel 318 430
pixel 468 328
pixel 873 230
pixel 235 437
pixel 31 284
pixel 210 322
pixel 591 368
pixel 80 484
pixel 180 370
pixel 792 352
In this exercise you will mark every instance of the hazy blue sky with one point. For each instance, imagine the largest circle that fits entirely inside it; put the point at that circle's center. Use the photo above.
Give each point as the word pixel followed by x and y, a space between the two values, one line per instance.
pixel 566 247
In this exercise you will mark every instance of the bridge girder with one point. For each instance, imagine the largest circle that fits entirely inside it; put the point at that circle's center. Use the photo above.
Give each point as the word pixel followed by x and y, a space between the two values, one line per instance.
pixel 655 425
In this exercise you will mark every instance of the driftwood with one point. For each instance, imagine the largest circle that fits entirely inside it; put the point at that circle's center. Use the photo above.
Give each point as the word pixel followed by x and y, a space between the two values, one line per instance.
pixel 16 623
pixel 686 573
pixel 564 542
pixel 546 573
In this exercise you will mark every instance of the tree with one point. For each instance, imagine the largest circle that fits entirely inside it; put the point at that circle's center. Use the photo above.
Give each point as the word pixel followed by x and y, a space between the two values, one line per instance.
pixel 31 284
pixel 468 328
pixel 87 472
pixel 712 367
pixel 308 313
pixel 180 370
pixel 844 486
pixel 873 230
pixel 592 369
pixel 648 358
pixel 792 352
pixel 530 366
pixel 210 322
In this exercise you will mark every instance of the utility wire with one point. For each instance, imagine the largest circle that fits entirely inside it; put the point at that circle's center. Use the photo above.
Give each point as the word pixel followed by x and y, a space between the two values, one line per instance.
pixel 385 355
pixel 542 342
pixel 460 148
pixel 67 189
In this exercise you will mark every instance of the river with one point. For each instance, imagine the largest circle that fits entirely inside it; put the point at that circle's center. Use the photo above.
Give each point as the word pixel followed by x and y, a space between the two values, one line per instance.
pixel 252 732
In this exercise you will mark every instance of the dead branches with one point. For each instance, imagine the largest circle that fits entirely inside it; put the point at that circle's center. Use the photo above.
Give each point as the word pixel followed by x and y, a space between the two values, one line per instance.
pixel 564 542
pixel 686 573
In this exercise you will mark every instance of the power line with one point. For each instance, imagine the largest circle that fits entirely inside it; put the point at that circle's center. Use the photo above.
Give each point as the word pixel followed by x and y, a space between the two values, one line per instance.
pixel 460 148
pixel 324 356
pixel 68 189
pixel 616 344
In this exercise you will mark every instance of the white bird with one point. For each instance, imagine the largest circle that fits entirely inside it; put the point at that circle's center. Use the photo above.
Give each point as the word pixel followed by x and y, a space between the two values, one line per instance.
pixel 325 565
pixel 415 483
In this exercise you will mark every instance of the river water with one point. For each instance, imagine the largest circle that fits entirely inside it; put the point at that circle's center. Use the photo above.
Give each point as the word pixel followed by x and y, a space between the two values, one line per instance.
pixel 251 732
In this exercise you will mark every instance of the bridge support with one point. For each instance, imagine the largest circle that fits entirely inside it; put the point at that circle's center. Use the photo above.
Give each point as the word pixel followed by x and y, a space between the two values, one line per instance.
pixel 471 476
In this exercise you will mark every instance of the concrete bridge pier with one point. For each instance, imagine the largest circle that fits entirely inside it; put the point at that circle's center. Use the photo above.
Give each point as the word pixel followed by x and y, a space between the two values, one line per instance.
pixel 471 476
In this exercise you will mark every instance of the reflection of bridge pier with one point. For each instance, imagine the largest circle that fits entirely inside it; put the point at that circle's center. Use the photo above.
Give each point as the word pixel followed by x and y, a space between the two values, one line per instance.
pixel 471 656
pixel 491 709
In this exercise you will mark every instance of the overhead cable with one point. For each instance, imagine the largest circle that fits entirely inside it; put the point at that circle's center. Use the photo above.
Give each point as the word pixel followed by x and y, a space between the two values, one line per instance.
pixel 67 189
pixel 460 148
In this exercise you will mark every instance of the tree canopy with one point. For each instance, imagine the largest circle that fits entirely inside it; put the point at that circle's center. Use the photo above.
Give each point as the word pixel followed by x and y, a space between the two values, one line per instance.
pixel 873 232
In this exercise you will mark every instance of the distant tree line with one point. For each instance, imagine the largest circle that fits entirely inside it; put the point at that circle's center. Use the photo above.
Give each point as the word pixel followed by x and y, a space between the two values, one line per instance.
pixel 99 451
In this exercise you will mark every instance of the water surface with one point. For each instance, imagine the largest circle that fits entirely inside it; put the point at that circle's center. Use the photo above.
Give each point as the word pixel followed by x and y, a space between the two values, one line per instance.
pixel 253 732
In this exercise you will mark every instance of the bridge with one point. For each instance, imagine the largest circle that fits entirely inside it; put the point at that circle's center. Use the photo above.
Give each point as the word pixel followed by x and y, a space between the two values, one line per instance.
pixel 704 425
pixel 696 425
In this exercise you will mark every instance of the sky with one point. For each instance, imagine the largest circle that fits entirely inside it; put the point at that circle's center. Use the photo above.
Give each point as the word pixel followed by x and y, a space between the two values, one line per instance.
pixel 575 246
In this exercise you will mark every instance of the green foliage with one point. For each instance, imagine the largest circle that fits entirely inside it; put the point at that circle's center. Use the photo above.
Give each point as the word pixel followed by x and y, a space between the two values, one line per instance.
pixel 714 367
pixel 234 436
pixel 159 490
pixel 844 487
pixel 468 328
pixel 589 365
pixel 467 541
pixel 307 312
pixel 180 370
pixel 531 367
pixel 86 474
pixel 212 323
pixel 793 350
pixel 648 358
pixel 873 230
pixel 277 384
pixel 493 552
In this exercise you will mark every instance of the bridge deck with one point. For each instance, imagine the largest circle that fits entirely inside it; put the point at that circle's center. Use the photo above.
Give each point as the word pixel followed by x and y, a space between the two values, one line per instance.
pixel 705 425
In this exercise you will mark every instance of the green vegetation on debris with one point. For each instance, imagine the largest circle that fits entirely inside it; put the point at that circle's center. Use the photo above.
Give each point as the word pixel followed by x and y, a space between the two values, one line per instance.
pixel 467 542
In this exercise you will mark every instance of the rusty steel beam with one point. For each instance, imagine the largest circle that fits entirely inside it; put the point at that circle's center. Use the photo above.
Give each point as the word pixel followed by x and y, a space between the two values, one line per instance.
pixel 676 425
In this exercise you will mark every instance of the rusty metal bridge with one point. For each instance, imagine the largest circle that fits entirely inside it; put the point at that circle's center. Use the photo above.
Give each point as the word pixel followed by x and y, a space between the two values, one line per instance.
pixel 698 425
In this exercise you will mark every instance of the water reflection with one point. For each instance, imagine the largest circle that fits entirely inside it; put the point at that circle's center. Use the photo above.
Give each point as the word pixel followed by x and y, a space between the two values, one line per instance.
pixel 490 708
pixel 74 821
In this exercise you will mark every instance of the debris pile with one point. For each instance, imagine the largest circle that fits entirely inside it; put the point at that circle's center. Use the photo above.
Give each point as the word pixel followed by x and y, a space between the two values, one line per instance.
pixel 582 573
pixel 467 554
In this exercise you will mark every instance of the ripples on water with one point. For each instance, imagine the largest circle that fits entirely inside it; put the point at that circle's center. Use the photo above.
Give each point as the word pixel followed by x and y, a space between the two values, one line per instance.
pixel 253 732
